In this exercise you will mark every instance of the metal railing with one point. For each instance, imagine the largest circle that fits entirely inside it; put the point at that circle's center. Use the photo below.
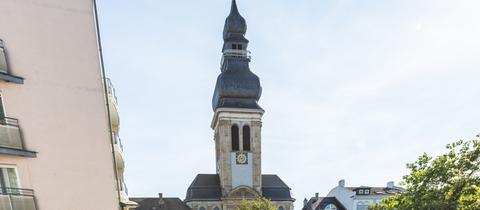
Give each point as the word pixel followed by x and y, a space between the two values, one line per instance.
pixel 9 121
pixel 237 53
pixel 111 90
pixel 17 199
pixel 118 141
pixel 10 135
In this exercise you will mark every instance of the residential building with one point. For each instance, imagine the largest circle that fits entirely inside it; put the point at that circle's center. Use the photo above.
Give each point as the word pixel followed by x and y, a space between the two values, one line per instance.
pixel 59 145
pixel 354 198
pixel 322 203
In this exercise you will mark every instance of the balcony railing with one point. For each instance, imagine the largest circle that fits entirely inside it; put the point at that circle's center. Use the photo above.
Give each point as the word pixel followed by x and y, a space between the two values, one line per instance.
pixel 11 142
pixel 118 141
pixel 111 90
pixel 10 136
pixel 17 199
pixel 236 54
pixel 4 72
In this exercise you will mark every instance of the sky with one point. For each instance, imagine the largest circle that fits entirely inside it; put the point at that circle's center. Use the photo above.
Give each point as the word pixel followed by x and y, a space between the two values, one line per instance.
pixel 352 89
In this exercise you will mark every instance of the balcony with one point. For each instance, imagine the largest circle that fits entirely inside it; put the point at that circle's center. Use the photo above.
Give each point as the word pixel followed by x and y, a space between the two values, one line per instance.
pixel 17 199
pixel 235 54
pixel 4 74
pixel 119 156
pixel 113 106
pixel 124 199
pixel 11 142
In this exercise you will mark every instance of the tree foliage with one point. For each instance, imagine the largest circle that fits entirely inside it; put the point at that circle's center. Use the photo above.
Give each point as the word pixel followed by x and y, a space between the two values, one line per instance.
pixel 450 181
pixel 259 204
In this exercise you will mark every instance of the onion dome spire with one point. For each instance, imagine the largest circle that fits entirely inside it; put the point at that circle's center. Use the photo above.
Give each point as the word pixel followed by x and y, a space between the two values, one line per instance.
pixel 237 86
pixel 235 25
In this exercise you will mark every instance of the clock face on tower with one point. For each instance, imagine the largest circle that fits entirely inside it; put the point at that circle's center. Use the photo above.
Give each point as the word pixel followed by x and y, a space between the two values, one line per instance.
pixel 242 158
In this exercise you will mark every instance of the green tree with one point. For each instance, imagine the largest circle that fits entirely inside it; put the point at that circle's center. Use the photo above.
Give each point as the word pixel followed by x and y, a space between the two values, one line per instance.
pixel 448 182
pixel 259 204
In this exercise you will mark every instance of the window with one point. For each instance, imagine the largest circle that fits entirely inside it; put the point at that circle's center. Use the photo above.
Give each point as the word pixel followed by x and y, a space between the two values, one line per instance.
pixel 235 138
pixel 330 207
pixel 2 110
pixel 3 59
pixel 281 208
pixel 246 138
pixel 216 208
pixel 237 46
pixel 202 208
pixel 363 191
pixel 362 207
pixel 8 179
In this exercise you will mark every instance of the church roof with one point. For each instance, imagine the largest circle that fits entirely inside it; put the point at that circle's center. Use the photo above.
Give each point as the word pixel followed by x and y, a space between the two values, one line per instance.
pixel 237 86
pixel 235 24
pixel 206 187
pixel 160 204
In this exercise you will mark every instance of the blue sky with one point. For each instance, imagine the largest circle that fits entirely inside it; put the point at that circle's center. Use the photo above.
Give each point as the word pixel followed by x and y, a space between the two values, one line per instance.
pixel 352 89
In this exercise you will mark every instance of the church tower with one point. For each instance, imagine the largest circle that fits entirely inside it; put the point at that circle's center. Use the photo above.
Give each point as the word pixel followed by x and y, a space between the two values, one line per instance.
pixel 238 117
pixel 237 122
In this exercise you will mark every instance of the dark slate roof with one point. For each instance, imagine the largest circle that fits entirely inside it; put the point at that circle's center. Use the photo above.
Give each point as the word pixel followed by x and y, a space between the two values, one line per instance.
pixel 235 24
pixel 206 187
pixel 321 203
pixel 154 204
pixel 378 190
pixel 237 86
pixel 275 189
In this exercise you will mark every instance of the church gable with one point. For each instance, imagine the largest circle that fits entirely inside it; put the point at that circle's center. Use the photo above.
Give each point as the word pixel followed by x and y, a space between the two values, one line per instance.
pixel 243 193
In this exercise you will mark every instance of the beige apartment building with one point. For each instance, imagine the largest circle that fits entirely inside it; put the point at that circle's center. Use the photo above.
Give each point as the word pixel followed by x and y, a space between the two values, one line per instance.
pixel 59 123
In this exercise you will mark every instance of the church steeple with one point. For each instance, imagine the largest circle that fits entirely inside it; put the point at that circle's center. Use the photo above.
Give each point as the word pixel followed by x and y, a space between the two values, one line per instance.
pixel 235 25
pixel 237 86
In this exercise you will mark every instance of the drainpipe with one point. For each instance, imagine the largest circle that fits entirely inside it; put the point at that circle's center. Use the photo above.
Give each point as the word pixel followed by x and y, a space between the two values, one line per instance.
pixel 107 103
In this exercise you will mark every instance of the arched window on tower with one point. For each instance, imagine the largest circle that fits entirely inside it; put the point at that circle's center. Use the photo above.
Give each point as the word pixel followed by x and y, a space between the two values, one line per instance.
pixel 246 138
pixel 235 138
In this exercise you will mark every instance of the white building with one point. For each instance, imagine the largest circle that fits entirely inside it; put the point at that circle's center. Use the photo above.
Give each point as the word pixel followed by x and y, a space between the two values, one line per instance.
pixel 359 198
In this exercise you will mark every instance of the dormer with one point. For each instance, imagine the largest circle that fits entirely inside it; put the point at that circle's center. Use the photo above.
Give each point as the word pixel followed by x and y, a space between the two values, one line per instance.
pixel 363 191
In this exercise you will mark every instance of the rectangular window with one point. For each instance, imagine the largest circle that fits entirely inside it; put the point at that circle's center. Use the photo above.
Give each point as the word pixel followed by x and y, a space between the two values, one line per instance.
pixel 367 192
pixel 2 110
pixel 234 46
pixel 360 192
pixel 362 207
pixel 8 179
pixel 3 59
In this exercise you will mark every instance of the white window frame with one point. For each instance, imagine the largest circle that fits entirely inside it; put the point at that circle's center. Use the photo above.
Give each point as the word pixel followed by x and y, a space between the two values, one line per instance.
pixel 16 172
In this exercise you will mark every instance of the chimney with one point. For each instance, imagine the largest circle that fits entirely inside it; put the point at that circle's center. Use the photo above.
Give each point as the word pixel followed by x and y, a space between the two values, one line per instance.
pixel 341 183
pixel 305 201
pixel 160 200
pixel 390 184
pixel 316 196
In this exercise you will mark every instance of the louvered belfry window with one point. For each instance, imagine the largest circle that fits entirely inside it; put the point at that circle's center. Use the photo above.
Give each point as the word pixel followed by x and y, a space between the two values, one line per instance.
pixel 235 138
pixel 246 138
